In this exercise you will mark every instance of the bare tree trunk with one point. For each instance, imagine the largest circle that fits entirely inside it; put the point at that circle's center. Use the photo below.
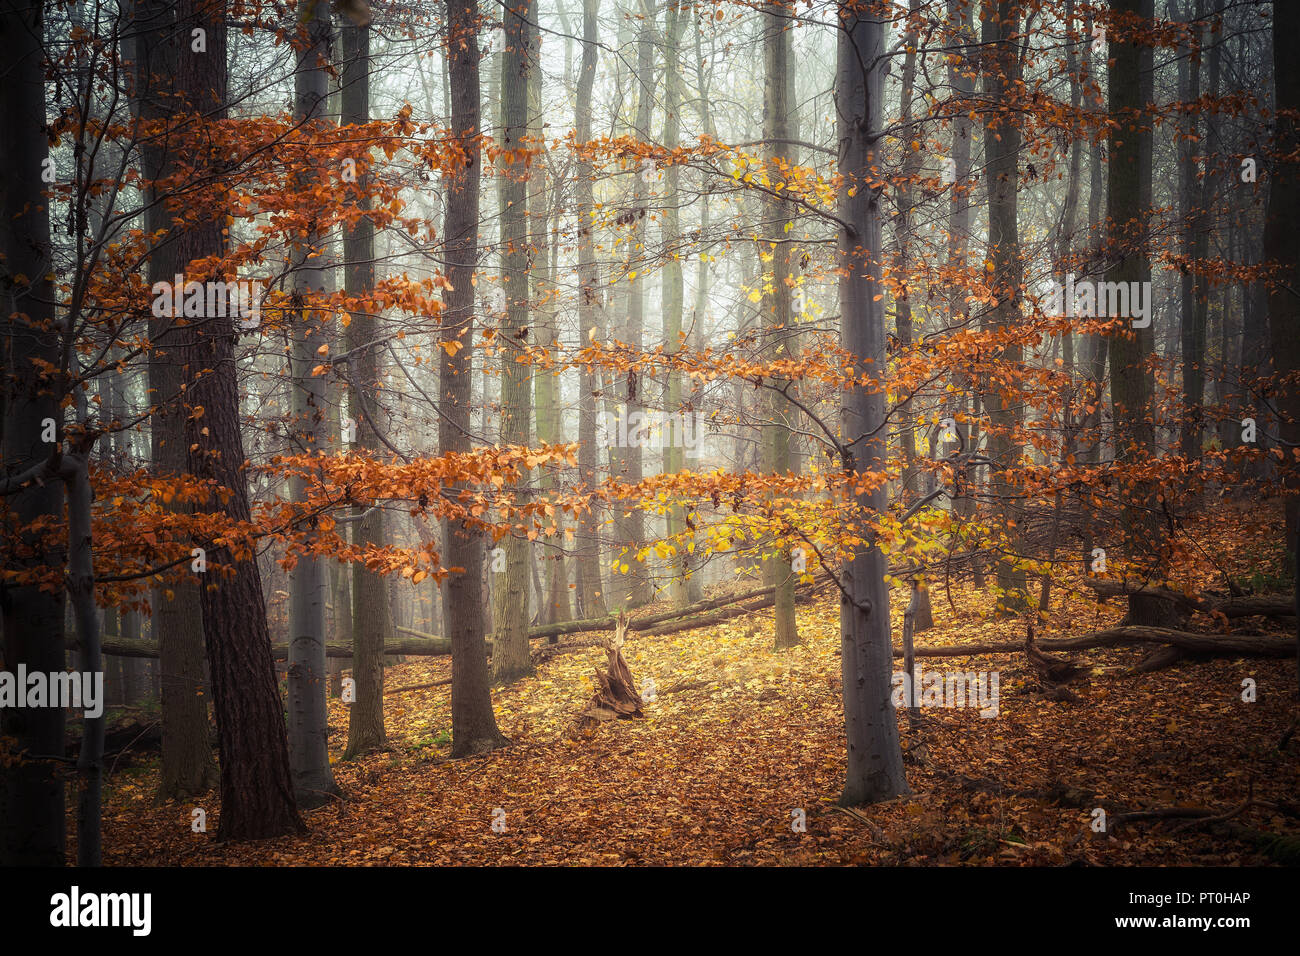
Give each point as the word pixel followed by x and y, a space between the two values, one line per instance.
pixel 959 227
pixel 1094 346
pixel 1001 74
pixel 902 242
pixel 875 760
pixel 510 654
pixel 81 587
pixel 553 595
pixel 372 615
pixel 1196 319
pixel 1132 385
pixel 778 566
pixel 188 768
pixel 313 780
pixel 31 791
pixel 473 724
pixel 633 587
pixel 257 798
pixel 674 296
pixel 1282 247
pixel 591 596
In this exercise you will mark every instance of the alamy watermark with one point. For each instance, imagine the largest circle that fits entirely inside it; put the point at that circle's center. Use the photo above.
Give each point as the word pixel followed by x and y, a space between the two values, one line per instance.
pixel 241 299
pixel 646 429
pixel 75 908
pixel 81 691
pixel 1091 300
pixel 947 689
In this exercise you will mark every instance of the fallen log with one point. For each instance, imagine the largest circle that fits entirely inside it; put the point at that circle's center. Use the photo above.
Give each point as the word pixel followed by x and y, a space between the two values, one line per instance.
pixel 1245 645
pixel 1221 644
pixel 1245 606
pixel 725 614
pixel 415 647
pixel 422 644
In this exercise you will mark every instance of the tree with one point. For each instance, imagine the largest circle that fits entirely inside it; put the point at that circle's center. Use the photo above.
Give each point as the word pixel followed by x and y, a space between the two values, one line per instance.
pixel 372 616
pixel 553 595
pixel 591 597
pixel 875 760
pixel 674 292
pixel 31 790
pixel 511 657
pixel 961 77
pixel 631 584
pixel 1132 381
pixel 473 725
pixel 779 218
pixel 313 781
pixel 1282 250
pixel 1001 74
pixel 257 798
pixel 188 768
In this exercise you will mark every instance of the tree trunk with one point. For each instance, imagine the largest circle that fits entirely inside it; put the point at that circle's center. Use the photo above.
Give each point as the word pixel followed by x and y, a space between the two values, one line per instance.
pixel 1094 346
pixel 778 566
pixel 902 242
pixel 963 85
pixel 510 656
pixel 473 724
pixel 257 798
pixel 1192 335
pixel 674 296
pixel 1132 384
pixel 1001 74
pixel 31 792
pixel 81 587
pixel 313 780
pixel 591 596
pixel 632 588
pixel 553 595
pixel 372 616
pixel 875 760
pixel 1282 247
pixel 187 767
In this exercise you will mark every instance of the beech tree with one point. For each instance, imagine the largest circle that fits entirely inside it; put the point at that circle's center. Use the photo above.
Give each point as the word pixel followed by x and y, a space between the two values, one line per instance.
pixel 473 725
pixel 875 760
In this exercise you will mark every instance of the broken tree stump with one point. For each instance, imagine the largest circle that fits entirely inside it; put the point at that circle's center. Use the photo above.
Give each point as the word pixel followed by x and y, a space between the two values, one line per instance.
pixel 616 696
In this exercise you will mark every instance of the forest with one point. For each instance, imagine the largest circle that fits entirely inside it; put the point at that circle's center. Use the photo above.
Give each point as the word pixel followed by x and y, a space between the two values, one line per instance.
pixel 692 433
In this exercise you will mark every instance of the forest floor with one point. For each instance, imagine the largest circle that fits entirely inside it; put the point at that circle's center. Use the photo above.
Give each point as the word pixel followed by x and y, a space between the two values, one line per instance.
pixel 714 772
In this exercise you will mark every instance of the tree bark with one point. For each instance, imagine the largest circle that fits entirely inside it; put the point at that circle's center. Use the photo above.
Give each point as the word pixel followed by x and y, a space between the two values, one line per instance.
pixel 632 588
pixel 187 768
pixel 313 780
pixel 257 798
pixel 372 615
pixel 473 724
pixel 81 587
pixel 1132 382
pixel 510 656
pixel 590 592
pixel 1282 249
pixel 778 566
pixel 553 595
pixel 31 791
pixel 1001 74
pixel 875 760
pixel 674 296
